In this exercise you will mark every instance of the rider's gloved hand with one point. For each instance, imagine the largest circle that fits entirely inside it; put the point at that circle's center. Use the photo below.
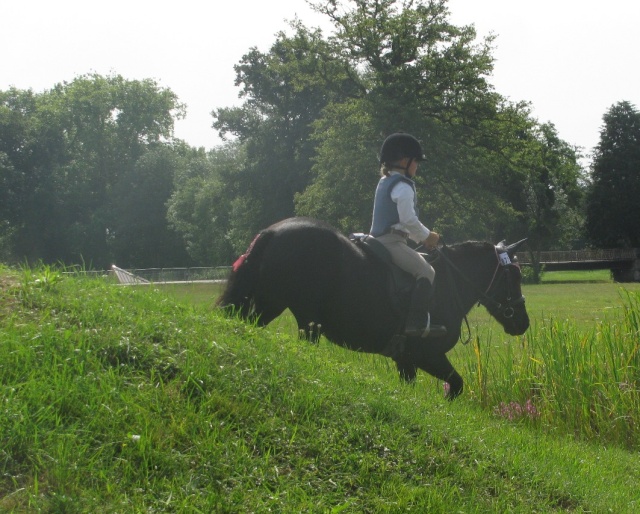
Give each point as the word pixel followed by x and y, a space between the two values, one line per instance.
pixel 431 242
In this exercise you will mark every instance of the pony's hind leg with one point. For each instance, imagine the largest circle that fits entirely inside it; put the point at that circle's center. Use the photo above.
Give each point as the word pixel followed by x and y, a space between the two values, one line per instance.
pixel 264 317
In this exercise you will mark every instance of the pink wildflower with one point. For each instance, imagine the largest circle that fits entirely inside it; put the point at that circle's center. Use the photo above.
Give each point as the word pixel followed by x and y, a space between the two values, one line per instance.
pixel 514 410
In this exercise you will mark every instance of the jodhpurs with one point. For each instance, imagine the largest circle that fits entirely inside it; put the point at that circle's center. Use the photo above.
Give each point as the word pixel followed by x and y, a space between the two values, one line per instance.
pixel 406 258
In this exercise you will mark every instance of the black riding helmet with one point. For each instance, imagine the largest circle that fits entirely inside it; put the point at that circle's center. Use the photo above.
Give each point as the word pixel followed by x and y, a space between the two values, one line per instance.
pixel 400 145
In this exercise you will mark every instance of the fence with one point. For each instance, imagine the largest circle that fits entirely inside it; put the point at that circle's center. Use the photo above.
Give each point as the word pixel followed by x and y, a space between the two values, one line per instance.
pixel 610 255
pixel 623 263
pixel 197 274
pixel 160 275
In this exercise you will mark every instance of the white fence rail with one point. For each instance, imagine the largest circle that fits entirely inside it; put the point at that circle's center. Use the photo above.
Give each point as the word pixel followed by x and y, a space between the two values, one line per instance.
pixel 161 275
pixel 612 255
pixel 196 274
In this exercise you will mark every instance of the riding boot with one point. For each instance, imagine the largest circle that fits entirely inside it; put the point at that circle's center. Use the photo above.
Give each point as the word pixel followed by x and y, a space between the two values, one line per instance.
pixel 418 319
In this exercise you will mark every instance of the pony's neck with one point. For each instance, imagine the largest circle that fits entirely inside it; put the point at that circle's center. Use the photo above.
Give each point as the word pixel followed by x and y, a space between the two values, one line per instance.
pixel 470 274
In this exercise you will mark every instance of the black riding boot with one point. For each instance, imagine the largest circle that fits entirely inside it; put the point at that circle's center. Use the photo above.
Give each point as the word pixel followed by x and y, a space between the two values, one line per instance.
pixel 418 319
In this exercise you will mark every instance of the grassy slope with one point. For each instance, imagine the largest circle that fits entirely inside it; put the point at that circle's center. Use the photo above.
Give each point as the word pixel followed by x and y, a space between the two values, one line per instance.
pixel 124 400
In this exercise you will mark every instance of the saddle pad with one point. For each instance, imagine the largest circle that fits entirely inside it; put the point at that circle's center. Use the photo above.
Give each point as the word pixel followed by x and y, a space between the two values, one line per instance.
pixel 371 245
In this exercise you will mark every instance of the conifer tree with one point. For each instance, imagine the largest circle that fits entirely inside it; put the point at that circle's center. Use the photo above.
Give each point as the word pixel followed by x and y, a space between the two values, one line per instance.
pixel 613 209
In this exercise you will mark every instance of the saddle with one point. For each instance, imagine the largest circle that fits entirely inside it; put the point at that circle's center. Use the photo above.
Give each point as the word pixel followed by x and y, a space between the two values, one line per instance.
pixel 400 283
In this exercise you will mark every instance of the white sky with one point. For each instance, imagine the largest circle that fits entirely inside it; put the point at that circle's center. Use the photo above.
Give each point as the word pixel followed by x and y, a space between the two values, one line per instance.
pixel 572 59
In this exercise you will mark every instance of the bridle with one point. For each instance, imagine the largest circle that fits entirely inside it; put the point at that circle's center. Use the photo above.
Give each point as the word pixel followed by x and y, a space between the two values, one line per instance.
pixel 486 297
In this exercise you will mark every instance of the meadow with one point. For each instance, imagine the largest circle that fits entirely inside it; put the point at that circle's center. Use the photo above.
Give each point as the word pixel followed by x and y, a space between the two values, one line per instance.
pixel 576 370
pixel 144 399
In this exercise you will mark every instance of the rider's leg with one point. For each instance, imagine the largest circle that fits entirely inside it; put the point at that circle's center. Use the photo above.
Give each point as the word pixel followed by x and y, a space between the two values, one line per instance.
pixel 419 318
pixel 418 321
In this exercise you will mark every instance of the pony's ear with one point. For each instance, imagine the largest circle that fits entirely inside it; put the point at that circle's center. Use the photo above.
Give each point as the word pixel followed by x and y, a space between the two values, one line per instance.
pixel 513 247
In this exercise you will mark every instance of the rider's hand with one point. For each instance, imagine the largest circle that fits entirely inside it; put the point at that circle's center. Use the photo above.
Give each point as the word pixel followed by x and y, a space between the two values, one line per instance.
pixel 432 241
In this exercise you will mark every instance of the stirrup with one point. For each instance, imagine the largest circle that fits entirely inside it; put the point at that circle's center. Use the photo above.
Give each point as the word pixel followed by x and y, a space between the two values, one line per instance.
pixel 429 331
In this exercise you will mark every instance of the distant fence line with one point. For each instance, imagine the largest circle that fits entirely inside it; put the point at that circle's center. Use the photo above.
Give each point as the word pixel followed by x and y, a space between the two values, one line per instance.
pixel 624 264
pixel 617 254
pixel 182 274
pixel 159 275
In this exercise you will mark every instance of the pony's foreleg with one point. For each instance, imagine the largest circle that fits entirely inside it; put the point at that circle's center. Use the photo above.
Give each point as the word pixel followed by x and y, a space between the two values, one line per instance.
pixel 440 367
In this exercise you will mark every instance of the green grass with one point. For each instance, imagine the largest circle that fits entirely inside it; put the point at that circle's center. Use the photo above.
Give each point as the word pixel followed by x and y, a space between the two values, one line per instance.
pixel 197 293
pixel 121 399
pixel 582 350
pixel 593 276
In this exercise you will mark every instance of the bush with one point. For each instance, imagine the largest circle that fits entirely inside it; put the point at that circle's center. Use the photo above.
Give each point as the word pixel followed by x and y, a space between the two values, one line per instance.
pixel 529 275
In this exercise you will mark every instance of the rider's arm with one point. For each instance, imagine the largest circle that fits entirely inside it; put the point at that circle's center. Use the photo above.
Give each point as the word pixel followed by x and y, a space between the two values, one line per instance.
pixel 403 195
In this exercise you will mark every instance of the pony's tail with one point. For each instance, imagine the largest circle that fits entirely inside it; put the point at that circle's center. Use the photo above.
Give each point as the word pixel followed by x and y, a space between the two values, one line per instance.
pixel 237 296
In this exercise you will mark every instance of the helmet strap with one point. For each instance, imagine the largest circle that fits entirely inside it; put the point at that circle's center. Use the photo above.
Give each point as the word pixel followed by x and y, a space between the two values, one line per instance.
pixel 411 159
pixel 404 169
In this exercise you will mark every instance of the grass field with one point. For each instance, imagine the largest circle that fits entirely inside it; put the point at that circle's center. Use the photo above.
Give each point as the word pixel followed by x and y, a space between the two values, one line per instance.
pixel 126 399
pixel 581 345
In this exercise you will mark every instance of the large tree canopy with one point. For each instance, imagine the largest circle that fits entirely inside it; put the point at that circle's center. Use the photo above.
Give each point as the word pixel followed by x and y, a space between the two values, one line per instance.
pixel 90 171
pixel 68 156
pixel 316 110
pixel 202 204
pixel 403 62
pixel 417 72
pixel 285 91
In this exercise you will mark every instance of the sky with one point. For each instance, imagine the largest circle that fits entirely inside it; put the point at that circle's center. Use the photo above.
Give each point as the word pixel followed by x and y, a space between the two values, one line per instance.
pixel 571 59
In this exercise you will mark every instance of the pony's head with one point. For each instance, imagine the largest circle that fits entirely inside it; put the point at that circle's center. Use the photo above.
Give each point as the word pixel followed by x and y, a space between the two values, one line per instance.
pixel 503 297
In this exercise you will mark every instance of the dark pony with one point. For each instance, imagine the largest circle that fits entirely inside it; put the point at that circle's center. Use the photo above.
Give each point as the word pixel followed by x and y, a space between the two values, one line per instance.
pixel 336 287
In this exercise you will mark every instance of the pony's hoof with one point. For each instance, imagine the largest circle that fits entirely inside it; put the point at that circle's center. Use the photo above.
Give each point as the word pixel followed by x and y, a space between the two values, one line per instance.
pixel 451 393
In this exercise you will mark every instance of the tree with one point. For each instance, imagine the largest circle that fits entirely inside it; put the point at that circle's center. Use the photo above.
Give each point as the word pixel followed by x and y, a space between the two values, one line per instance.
pixel 68 148
pixel 415 72
pixel 140 234
pixel 285 91
pixel 492 171
pixel 547 195
pixel 7 206
pixel 201 206
pixel 389 65
pixel 344 173
pixel 110 123
pixel 613 210
pixel 32 142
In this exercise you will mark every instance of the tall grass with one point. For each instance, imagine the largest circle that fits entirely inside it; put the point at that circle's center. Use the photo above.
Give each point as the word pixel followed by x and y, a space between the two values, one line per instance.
pixel 564 378
pixel 577 370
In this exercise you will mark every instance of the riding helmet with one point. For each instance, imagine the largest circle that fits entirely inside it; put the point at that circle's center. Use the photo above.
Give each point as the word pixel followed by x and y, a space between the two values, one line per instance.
pixel 400 145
